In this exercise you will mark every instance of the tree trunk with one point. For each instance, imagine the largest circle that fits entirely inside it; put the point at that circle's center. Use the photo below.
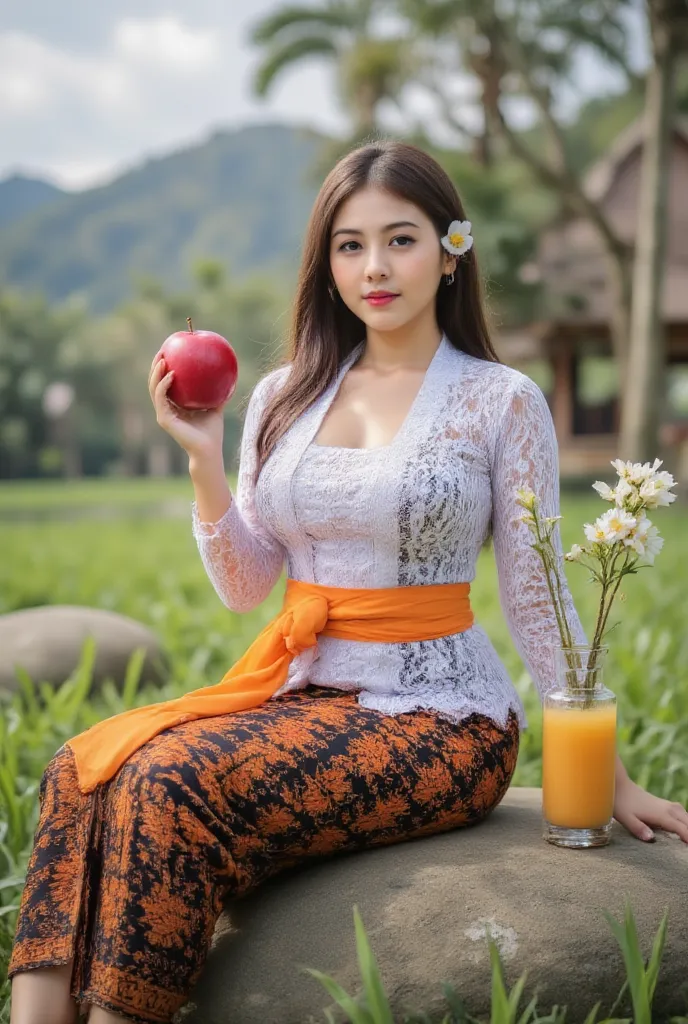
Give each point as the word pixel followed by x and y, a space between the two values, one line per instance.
pixel 132 434
pixel 158 458
pixel 489 70
pixel 66 436
pixel 644 386
pixel 620 277
pixel 365 110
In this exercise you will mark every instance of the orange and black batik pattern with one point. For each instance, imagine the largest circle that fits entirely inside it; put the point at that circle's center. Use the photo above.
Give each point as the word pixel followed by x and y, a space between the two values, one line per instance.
pixel 130 880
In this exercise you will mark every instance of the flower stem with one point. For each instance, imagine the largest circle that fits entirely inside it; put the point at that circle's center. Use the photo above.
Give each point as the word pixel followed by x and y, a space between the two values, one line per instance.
pixel 548 556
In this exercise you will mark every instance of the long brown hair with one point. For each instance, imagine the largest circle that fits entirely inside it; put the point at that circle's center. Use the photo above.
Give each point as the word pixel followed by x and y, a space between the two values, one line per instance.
pixel 324 331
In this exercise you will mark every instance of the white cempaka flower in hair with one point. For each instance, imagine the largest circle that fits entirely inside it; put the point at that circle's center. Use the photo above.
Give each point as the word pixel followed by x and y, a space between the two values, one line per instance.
pixel 458 239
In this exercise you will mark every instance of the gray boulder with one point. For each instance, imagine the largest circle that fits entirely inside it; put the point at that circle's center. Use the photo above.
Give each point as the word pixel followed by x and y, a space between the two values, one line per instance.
pixel 47 642
pixel 427 905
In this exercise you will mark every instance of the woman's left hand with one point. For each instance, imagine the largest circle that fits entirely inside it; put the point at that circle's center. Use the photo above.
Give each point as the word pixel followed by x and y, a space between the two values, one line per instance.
pixel 636 809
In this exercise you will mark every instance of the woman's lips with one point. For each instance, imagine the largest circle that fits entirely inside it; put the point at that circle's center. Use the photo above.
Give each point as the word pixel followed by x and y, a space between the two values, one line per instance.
pixel 380 300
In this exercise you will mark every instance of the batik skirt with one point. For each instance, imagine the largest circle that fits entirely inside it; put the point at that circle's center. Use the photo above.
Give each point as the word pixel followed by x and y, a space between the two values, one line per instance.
pixel 129 881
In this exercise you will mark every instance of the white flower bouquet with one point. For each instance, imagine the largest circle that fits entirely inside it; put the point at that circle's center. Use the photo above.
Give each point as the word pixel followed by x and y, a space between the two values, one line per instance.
pixel 619 542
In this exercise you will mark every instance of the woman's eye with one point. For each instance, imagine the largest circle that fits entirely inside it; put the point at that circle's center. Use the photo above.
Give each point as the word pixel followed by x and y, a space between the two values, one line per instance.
pixel 398 238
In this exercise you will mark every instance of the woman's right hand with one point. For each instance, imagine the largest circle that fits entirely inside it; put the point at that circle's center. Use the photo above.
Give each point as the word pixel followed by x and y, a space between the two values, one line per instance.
pixel 198 431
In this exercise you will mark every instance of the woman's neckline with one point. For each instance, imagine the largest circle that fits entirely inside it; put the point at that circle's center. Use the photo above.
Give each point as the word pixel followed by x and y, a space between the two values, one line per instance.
pixel 409 415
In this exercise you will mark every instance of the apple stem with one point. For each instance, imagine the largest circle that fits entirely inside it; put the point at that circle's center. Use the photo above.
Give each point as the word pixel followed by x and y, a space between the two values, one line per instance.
pixel 188 320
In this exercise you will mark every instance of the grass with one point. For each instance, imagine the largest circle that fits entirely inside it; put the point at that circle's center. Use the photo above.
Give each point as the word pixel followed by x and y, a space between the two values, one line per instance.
pixel 147 566
pixel 373 1007
pixel 18 496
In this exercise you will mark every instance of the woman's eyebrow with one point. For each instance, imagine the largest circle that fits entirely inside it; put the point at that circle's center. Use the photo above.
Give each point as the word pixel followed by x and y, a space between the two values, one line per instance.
pixel 387 227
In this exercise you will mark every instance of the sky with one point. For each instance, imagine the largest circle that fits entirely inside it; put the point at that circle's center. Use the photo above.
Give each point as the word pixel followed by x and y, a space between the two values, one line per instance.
pixel 89 89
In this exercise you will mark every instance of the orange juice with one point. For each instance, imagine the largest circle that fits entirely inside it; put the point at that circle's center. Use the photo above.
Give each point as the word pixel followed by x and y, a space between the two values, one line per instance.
pixel 578 765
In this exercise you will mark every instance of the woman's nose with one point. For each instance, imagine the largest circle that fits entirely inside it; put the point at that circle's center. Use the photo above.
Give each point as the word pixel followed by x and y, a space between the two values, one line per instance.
pixel 376 264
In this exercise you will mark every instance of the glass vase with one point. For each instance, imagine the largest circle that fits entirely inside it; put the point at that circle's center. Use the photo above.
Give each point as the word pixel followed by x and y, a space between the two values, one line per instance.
pixel 578 751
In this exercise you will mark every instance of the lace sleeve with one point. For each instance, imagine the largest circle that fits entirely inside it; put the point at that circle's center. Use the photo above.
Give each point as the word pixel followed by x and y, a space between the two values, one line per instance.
pixel 526 455
pixel 242 559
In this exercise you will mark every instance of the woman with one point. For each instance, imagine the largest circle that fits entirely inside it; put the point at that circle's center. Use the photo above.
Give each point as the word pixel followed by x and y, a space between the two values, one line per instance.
pixel 377 460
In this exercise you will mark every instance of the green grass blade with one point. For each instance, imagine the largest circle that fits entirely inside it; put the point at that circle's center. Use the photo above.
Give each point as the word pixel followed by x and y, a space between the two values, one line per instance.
pixel 499 1010
pixel 8 797
pixel 459 1012
pixel 656 956
pixel 357 1014
pixel 375 993
pixel 133 676
pixel 529 1011
pixel 627 937
pixel 592 1016
pixel 28 691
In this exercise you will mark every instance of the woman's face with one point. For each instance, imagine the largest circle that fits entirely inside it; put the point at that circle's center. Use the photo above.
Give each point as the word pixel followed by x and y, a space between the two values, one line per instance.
pixel 382 243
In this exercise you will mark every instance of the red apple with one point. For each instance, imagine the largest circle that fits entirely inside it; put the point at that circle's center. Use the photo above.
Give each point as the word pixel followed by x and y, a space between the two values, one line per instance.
pixel 205 368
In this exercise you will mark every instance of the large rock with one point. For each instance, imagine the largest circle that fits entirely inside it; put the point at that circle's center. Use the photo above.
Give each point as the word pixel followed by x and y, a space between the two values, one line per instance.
pixel 426 905
pixel 47 642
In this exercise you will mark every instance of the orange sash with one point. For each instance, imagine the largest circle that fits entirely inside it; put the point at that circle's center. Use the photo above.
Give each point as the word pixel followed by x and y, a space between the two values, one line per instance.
pixel 383 615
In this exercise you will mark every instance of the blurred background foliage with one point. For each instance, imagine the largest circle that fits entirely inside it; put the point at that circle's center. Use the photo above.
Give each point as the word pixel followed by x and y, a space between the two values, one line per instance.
pixel 92 282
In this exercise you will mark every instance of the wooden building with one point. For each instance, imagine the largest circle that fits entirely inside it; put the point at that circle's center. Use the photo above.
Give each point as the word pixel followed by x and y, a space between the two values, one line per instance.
pixel 573 339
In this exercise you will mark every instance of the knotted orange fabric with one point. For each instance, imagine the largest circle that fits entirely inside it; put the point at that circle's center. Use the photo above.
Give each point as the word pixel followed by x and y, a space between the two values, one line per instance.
pixel 382 615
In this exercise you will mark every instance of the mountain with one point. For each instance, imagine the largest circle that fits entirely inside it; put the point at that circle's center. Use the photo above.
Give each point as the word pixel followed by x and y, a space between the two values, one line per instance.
pixel 243 196
pixel 20 196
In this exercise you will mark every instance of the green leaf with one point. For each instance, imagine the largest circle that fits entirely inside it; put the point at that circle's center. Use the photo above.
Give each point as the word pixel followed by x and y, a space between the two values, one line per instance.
pixel 656 956
pixel 529 1010
pixel 288 55
pixel 375 993
pixel 8 796
pixel 627 937
pixel 11 883
pixel 500 1003
pixel 133 676
pixel 28 691
pixel 286 19
pixel 592 1016
pixel 357 1014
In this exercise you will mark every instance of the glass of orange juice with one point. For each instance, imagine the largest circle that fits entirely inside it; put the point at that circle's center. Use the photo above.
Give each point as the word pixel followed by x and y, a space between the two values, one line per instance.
pixel 578 751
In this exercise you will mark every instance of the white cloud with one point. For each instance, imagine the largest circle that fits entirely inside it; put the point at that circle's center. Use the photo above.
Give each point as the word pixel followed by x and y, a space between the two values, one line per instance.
pixel 167 42
pixel 37 75
pixel 156 83
pixel 88 90
pixel 19 92
pixel 81 173
pixel 38 78
pixel 22 83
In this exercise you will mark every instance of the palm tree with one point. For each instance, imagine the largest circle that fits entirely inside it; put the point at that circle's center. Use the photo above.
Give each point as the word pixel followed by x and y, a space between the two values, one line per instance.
pixel 369 69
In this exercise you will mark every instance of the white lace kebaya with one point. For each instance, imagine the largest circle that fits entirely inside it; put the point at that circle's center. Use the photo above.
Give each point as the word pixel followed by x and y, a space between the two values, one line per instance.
pixel 413 512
